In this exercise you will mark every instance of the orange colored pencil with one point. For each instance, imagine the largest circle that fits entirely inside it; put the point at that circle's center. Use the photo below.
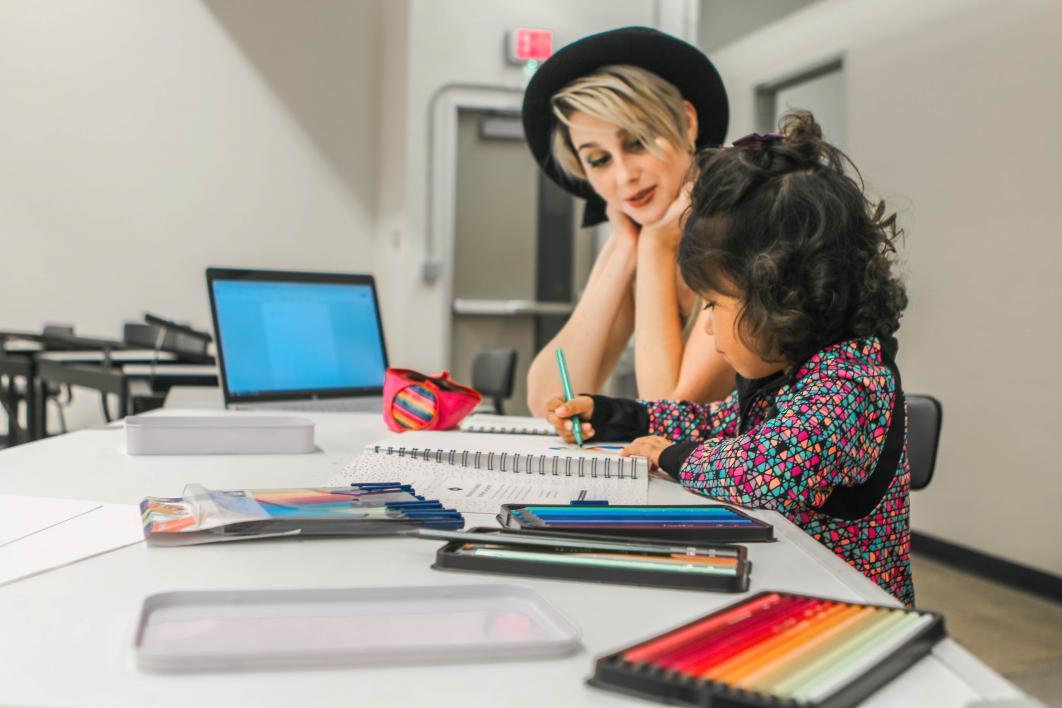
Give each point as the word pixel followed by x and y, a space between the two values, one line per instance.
pixel 723 670
pixel 794 646
pixel 816 647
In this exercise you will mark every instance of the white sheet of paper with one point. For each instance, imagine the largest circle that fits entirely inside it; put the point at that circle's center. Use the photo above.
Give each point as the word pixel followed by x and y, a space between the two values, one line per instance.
pixel 22 516
pixel 103 529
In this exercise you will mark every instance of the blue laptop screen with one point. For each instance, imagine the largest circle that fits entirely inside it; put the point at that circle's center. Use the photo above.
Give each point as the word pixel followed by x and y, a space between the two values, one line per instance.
pixel 298 336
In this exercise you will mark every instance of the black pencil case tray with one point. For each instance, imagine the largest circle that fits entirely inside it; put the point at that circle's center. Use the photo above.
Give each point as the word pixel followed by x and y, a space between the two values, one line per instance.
pixel 756 531
pixel 611 672
pixel 449 557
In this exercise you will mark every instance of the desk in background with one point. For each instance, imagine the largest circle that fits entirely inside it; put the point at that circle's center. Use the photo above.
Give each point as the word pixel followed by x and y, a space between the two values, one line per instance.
pixel 139 378
pixel 77 622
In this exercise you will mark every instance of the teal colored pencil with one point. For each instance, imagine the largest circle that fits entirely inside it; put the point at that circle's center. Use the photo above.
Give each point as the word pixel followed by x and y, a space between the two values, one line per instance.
pixel 577 424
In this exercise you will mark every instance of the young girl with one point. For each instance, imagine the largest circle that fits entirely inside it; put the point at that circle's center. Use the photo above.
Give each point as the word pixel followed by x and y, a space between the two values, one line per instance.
pixel 796 269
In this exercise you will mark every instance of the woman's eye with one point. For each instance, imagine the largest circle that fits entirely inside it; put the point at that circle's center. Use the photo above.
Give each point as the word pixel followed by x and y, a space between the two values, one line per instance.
pixel 634 146
pixel 709 305
pixel 597 161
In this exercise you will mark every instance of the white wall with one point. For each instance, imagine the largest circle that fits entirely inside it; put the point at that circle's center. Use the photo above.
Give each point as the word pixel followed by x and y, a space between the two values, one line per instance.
pixel 141 142
pixel 951 108
pixel 462 43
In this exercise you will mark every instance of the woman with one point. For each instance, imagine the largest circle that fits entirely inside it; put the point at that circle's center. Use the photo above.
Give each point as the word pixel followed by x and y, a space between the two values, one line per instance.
pixel 615 118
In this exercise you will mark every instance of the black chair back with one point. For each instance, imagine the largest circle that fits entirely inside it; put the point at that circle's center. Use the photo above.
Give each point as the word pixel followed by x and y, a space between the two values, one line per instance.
pixel 924 414
pixel 493 371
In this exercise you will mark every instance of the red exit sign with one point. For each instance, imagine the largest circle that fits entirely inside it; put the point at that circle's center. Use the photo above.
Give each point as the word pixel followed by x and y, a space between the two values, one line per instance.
pixel 527 44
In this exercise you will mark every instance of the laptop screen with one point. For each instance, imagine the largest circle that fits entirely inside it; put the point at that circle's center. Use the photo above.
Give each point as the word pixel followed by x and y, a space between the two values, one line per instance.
pixel 298 336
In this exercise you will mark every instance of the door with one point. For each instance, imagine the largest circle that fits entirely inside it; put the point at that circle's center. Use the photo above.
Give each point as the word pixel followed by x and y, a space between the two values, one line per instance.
pixel 517 263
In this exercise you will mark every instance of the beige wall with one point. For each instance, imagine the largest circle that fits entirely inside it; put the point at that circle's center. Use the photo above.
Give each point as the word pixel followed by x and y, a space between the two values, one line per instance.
pixel 141 142
pixel 951 113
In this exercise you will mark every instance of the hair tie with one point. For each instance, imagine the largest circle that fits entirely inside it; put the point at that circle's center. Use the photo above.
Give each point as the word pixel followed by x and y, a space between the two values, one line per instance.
pixel 758 139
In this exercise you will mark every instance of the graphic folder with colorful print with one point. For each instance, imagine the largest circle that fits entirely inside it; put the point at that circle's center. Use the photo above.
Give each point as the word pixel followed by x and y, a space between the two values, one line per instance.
pixel 477 473
pixel 204 515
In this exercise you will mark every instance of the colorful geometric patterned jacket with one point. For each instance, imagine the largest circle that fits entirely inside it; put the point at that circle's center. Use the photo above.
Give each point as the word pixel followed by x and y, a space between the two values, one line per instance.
pixel 786 443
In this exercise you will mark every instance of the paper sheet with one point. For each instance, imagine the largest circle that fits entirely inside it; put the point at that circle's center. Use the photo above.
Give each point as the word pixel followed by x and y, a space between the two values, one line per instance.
pixel 22 516
pixel 103 528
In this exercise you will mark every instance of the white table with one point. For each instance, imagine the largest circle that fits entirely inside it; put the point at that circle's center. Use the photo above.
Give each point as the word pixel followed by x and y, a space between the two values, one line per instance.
pixel 66 635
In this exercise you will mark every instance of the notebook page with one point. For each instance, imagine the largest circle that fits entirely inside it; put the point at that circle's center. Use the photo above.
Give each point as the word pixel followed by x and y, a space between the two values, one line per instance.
pixel 484 491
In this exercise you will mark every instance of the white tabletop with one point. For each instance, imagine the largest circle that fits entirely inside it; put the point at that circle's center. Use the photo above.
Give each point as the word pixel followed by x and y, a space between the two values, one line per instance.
pixel 66 636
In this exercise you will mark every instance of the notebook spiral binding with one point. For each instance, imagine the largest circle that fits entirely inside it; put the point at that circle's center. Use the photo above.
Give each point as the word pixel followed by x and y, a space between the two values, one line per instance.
pixel 505 429
pixel 607 467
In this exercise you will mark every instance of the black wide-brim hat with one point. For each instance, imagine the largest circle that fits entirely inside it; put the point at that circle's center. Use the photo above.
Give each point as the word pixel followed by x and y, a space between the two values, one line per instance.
pixel 673 60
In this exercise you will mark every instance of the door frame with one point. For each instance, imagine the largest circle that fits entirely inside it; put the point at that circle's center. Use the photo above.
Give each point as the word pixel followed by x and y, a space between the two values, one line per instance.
pixel 440 238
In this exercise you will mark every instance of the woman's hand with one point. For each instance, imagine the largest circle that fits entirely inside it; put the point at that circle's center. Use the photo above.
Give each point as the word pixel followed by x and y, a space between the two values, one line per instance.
pixel 624 229
pixel 650 446
pixel 559 413
pixel 667 232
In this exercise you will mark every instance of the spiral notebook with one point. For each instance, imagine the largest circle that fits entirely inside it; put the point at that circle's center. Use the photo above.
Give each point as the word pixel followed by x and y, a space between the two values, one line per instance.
pixel 478 473
pixel 514 424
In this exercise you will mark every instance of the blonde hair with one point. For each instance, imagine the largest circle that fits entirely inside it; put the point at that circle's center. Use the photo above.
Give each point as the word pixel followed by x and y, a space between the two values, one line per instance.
pixel 637 101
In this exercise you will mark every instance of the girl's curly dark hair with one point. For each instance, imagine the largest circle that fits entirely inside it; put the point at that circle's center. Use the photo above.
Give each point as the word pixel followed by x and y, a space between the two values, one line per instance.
pixel 783 227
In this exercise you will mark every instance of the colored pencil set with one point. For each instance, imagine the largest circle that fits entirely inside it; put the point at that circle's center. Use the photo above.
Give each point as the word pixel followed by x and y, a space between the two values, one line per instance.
pixel 703 522
pixel 583 557
pixel 775 649
pixel 205 515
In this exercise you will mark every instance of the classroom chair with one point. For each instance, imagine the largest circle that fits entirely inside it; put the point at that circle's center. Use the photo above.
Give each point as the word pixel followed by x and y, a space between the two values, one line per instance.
pixel 924 415
pixel 493 371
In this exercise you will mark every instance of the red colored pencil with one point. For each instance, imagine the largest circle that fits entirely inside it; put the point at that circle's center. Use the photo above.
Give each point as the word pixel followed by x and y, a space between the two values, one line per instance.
pixel 656 647
pixel 735 668
pixel 750 637
pixel 711 643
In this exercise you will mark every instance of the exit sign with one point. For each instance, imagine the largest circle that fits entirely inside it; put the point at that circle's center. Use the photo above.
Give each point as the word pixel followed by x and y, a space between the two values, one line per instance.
pixel 527 44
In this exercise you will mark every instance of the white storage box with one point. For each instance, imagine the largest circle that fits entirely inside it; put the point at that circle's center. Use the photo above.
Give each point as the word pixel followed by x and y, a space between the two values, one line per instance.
pixel 218 435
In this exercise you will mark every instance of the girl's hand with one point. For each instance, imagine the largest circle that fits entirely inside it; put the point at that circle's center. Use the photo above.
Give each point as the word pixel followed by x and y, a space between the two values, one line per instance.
pixel 559 413
pixel 667 232
pixel 650 446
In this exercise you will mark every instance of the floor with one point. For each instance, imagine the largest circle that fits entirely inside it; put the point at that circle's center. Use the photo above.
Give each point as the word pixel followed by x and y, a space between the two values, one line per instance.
pixel 1017 634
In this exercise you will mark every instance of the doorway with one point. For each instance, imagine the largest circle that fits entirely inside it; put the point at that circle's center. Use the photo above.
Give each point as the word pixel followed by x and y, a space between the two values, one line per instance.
pixel 518 264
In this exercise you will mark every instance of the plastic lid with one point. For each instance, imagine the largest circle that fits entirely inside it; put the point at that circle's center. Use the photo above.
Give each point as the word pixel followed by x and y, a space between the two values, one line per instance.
pixel 215 630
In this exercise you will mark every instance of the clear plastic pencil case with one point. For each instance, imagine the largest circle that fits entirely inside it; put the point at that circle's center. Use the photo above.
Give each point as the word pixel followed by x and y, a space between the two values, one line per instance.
pixel 204 515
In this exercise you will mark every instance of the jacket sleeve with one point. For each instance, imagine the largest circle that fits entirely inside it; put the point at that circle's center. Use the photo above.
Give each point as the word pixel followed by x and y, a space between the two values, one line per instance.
pixel 685 420
pixel 624 419
pixel 829 434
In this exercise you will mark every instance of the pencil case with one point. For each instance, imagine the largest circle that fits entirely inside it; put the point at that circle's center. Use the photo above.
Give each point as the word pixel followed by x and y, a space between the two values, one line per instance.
pixel 718 568
pixel 774 649
pixel 710 523
pixel 415 401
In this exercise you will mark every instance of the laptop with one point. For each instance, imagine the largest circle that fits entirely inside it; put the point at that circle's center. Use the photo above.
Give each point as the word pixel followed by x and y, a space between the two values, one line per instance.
pixel 298 341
